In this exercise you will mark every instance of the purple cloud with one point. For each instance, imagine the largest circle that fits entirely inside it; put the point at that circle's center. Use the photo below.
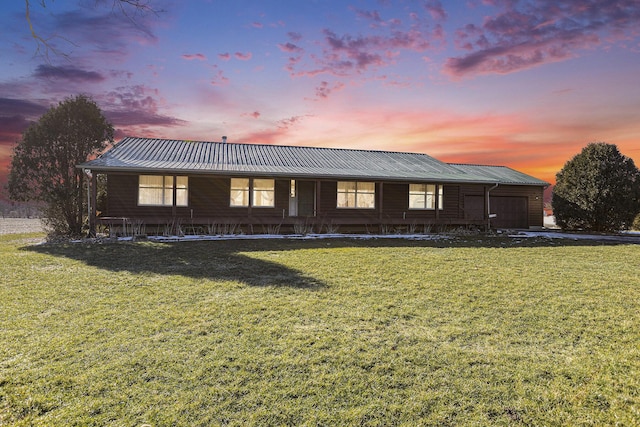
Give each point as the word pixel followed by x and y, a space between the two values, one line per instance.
pixel 11 127
pixel 295 37
pixel 135 106
pixel 368 15
pixel 18 107
pixel 224 56
pixel 103 33
pixel 289 47
pixel 345 54
pixel 15 117
pixel 528 34
pixel 68 73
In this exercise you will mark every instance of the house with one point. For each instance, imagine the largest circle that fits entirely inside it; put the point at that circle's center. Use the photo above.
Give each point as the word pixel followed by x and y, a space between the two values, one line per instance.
pixel 161 181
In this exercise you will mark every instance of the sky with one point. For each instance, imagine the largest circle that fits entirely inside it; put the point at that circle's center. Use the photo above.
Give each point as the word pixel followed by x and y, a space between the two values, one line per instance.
pixel 523 84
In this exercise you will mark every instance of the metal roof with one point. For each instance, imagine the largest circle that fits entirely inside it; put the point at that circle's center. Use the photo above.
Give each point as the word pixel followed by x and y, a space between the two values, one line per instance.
pixel 179 156
pixel 502 174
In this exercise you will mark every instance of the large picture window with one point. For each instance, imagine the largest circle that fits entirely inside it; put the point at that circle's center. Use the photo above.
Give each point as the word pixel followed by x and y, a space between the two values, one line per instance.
pixel 157 190
pixel 262 192
pixel 423 196
pixel 356 195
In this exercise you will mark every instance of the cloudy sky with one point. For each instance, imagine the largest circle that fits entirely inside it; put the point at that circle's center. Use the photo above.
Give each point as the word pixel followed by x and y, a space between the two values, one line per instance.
pixel 526 84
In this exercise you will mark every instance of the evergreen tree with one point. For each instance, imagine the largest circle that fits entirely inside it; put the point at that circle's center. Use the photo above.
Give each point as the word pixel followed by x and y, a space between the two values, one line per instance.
pixel 598 190
pixel 43 167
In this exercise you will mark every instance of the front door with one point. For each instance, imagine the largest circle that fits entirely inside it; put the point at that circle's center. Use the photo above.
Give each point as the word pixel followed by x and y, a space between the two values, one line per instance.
pixel 302 201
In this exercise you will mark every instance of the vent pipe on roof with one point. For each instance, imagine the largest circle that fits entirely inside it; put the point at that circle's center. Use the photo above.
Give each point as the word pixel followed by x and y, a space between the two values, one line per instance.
pixel 224 139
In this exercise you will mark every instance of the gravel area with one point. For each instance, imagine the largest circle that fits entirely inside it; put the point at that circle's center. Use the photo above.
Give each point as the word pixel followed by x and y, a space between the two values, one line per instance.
pixel 20 225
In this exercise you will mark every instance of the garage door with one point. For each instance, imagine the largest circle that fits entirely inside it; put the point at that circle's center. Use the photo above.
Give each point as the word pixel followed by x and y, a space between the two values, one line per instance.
pixel 512 212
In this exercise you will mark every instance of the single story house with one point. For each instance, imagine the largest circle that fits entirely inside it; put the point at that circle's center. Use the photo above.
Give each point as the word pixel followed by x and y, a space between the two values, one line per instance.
pixel 161 181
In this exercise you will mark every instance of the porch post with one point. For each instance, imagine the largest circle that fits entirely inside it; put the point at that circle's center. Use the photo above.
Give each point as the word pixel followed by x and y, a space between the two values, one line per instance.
pixel 174 211
pixel 316 208
pixel 437 204
pixel 380 202
pixel 93 197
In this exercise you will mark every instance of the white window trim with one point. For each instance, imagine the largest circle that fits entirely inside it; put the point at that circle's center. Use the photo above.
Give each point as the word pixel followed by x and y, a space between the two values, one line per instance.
pixel 439 188
pixel 338 192
pixel 246 190
pixel 251 192
pixel 271 190
pixel 164 188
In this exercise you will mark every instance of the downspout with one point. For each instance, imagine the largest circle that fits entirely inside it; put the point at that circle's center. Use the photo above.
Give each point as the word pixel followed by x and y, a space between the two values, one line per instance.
pixel 489 205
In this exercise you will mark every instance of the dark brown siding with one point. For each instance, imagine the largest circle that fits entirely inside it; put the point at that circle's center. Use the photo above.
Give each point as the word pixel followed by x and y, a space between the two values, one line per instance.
pixel 122 195
pixel 396 204
pixel 208 199
pixel 519 206
pixel 516 206
pixel 452 209
pixel 209 196
pixel 533 197
pixel 328 205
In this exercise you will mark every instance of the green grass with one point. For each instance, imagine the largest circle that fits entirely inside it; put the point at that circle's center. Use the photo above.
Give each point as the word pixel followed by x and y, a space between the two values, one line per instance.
pixel 332 332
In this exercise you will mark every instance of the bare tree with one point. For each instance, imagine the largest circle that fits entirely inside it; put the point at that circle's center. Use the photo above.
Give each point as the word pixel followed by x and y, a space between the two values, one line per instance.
pixel 126 8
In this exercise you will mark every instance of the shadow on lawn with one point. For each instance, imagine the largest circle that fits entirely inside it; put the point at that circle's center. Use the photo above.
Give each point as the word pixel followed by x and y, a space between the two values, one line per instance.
pixel 206 260
pixel 224 260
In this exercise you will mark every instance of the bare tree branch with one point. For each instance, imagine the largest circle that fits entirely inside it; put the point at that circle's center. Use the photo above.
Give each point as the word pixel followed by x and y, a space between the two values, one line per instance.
pixel 44 46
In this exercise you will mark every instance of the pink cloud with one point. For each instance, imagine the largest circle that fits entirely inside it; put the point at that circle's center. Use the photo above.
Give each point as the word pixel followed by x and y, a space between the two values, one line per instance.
pixel 243 56
pixel 219 78
pixel 436 10
pixel 224 56
pixel 325 89
pixel 192 56
pixel 257 25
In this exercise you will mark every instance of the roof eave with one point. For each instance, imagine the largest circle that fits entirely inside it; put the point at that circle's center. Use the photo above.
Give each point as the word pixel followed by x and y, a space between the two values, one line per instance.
pixel 293 175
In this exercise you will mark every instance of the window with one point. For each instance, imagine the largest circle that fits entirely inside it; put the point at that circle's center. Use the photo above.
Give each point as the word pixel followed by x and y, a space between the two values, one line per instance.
pixel 358 195
pixel 422 196
pixel 239 192
pixel 157 190
pixel 182 191
pixel 262 192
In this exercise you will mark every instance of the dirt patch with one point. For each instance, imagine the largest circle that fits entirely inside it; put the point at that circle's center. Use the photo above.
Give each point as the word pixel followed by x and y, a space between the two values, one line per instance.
pixel 20 225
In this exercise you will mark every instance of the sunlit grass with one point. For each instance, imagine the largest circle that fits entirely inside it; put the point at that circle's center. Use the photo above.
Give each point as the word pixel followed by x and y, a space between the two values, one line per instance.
pixel 319 333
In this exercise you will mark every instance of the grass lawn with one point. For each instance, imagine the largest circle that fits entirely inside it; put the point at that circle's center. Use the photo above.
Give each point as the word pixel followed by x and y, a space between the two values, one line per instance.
pixel 325 332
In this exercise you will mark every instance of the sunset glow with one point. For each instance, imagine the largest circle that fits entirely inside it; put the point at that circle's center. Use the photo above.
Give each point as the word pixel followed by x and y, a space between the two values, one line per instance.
pixel 524 84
